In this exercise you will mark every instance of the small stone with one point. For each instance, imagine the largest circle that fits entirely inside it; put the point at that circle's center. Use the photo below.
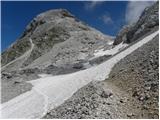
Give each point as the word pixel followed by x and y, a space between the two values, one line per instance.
pixel 145 107
pixel 18 81
pixel 148 88
pixel 7 75
pixel 112 76
pixel 147 96
pixel 121 101
pixel 156 116
pixel 104 102
pixel 69 108
pixel 108 113
pixel 108 103
pixel 78 66
pixel 130 114
pixel 106 94
pixel 121 70
pixel 132 69
pixel 85 111
pixel 141 98
pixel 135 93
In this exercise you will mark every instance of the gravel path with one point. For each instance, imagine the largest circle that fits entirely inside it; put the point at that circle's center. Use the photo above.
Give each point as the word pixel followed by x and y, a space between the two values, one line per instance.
pixel 13 65
pixel 12 84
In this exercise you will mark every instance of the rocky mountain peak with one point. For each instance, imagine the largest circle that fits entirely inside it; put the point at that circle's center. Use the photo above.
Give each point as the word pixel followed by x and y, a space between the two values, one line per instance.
pixel 56 34
pixel 51 14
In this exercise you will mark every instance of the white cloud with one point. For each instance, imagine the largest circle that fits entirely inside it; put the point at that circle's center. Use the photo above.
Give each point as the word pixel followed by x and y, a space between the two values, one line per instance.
pixel 91 5
pixel 107 19
pixel 134 10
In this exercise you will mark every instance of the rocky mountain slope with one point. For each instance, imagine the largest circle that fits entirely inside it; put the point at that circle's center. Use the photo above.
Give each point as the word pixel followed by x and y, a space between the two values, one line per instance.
pixel 55 38
pixel 65 69
pixel 49 91
pixel 54 42
pixel 131 91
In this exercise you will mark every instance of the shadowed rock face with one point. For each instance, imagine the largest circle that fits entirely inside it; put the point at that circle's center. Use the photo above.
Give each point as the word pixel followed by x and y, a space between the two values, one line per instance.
pixel 148 20
pixel 49 29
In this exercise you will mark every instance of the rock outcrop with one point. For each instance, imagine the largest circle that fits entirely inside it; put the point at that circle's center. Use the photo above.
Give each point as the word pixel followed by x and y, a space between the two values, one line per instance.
pixel 148 21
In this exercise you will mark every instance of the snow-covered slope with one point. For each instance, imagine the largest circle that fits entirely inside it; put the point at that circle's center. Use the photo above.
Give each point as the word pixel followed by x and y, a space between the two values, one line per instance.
pixel 112 51
pixel 49 92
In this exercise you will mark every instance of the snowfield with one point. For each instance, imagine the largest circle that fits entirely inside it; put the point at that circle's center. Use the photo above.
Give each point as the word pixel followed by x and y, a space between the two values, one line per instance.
pixel 50 91
pixel 112 51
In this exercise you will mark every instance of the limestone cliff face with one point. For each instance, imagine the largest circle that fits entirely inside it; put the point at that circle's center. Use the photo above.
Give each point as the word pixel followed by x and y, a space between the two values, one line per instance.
pixel 148 21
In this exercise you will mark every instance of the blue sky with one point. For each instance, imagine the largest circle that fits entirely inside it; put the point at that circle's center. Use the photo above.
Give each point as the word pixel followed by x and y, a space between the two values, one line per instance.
pixel 108 16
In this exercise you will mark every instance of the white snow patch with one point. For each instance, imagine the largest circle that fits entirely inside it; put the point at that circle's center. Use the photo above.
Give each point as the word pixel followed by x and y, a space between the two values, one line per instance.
pixel 110 42
pixel 112 51
pixel 49 92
